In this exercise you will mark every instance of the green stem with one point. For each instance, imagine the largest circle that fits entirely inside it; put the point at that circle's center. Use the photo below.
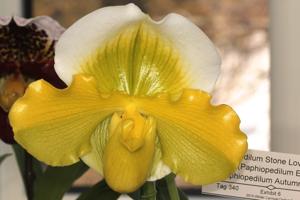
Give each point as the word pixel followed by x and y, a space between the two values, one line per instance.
pixel 29 175
pixel 172 188
pixel 148 191
pixel 29 168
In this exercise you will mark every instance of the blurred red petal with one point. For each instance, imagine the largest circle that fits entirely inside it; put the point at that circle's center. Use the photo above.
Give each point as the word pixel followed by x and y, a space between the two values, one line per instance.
pixel 6 133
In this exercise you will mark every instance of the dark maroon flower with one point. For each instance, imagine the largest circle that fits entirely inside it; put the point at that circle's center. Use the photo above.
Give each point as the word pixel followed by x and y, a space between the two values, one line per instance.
pixel 26 54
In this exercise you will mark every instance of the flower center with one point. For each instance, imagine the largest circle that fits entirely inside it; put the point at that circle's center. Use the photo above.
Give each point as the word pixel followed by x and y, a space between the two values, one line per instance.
pixel 130 125
pixel 11 89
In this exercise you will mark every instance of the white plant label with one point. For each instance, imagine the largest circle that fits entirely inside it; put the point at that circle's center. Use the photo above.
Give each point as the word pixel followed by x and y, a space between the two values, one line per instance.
pixel 262 175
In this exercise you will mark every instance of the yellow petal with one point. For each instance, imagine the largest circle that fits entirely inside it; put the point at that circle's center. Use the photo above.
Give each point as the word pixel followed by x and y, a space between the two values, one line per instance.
pixel 200 142
pixel 128 157
pixel 56 125
pixel 138 61
pixel 94 159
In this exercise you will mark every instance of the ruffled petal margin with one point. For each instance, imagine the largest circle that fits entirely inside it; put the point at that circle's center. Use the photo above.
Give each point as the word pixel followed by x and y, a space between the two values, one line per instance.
pixel 199 142
pixel 56 125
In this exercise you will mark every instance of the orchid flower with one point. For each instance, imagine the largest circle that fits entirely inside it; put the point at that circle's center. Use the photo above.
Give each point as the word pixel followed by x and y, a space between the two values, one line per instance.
pixel 137 106
pixel 26 54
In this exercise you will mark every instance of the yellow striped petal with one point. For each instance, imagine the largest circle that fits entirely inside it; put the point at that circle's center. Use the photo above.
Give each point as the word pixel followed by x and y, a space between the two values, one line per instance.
pixel 200 142
pixel 56 125
pixel 137 61
pixel 131 52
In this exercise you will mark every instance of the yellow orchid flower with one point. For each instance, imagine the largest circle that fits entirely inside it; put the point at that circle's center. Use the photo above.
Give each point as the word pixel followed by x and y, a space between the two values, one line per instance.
pixel 129 111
